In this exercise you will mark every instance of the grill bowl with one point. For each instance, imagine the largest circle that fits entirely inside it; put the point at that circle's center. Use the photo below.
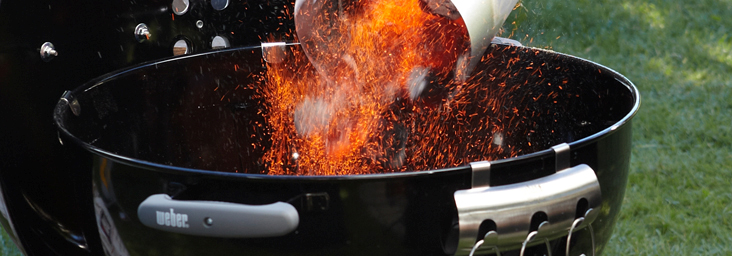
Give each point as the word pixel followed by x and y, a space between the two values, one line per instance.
pixel 161 128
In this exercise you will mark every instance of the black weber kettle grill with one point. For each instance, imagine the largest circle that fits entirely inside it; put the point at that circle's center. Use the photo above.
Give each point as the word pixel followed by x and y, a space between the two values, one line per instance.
pixel 116 145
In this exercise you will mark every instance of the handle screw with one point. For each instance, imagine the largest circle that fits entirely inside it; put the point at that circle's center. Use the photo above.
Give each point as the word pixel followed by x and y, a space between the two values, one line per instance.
pixel 142 33
pixel 48 51
pixel 208 221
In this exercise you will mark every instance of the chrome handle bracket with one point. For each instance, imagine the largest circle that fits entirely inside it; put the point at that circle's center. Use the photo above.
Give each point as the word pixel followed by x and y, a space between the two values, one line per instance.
pixel 555 201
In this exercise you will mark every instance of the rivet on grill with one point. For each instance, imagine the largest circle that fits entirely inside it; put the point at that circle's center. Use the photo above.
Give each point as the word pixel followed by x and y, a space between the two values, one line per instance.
pixel 219 4
pixel 219 42
pixel 142 33
pixel 48 51
pixel 199 24
pixel 180 7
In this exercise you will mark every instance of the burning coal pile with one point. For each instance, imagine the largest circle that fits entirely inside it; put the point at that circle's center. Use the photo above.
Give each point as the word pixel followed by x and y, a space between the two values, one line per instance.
pixel 383 86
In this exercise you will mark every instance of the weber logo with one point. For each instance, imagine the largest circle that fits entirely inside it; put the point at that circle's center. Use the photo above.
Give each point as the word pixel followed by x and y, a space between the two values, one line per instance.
pixel 172 219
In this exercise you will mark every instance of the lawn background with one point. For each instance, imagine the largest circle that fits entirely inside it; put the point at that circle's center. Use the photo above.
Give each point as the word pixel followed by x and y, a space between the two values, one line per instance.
pixel 679 54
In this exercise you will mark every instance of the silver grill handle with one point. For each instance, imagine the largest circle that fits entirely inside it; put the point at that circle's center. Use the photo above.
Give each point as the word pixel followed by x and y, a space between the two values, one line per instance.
pixel 217 219
pixel 554 201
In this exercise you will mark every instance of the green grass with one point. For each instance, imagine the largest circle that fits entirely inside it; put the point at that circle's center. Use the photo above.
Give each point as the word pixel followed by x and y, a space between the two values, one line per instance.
pixel 679 54
pixel 7 247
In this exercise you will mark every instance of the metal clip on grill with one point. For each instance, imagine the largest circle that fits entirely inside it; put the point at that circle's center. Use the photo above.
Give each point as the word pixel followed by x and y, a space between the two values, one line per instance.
pixel 514 216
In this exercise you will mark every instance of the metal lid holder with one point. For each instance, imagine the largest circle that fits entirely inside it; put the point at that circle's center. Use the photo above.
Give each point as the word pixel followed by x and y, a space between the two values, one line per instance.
pixel 519 215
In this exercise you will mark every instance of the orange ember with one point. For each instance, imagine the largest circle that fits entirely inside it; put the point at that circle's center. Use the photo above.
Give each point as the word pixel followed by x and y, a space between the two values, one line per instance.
pixel 384 90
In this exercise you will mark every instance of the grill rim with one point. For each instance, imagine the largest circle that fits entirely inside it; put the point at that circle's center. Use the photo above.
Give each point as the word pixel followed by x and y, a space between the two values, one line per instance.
pixel 62 107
